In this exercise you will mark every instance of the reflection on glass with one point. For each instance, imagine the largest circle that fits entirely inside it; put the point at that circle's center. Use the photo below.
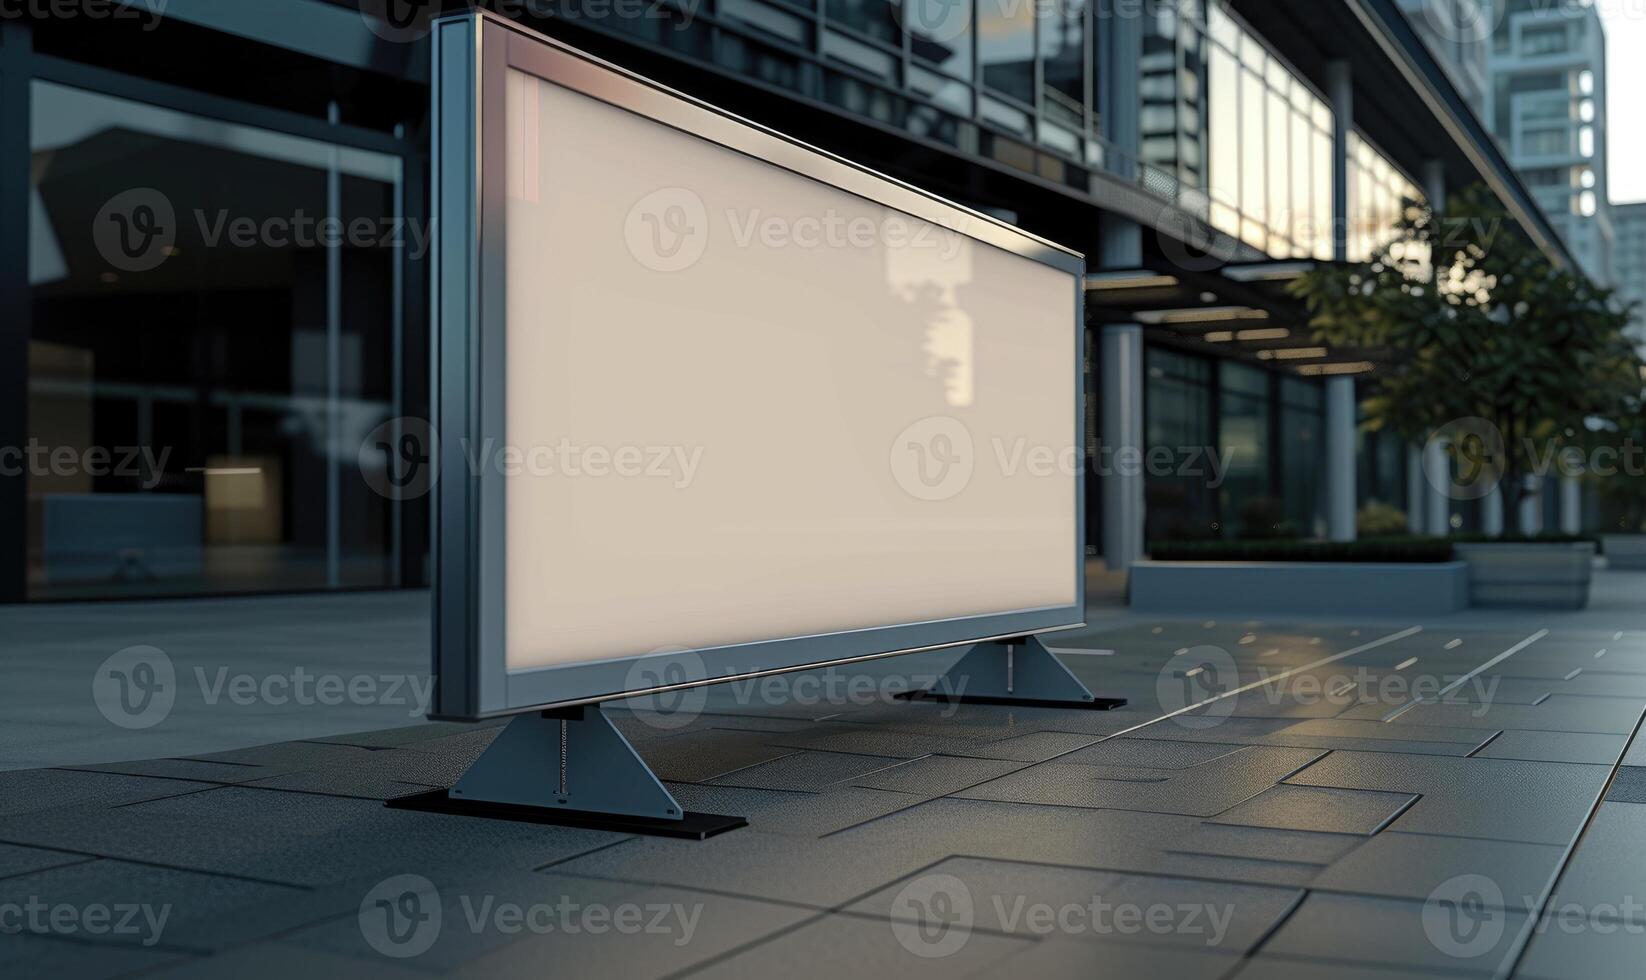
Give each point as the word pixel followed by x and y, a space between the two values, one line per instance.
pixel 1005 44
pixel 876 18
pixel 1302 446
pixel 210 354
pixel 940 32
pixel 932 276
pixel 1063 60
pixel 1243 438
pixel 1270 143
pixel 1179 417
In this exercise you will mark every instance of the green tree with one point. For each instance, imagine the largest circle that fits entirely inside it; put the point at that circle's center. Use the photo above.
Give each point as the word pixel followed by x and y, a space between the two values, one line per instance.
pixel 1471 321
pixel 1618 449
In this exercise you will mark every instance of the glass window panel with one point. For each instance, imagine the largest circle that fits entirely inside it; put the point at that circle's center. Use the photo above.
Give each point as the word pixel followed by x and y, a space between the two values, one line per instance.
pixel 1324 192
pixel 208 322
pixel 1063 58
pixel 1244 440
pixel 1224 101
pixel 1301 193
pixel 1005 43
pixel 1279 166
pixel 876 18
pixel 947 92
pixel 1252 147
pixel 940 32
pixel 1178 418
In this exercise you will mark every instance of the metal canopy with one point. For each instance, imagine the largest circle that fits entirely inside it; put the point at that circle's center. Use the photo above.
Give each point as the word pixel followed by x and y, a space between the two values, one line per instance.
pixel 1243 311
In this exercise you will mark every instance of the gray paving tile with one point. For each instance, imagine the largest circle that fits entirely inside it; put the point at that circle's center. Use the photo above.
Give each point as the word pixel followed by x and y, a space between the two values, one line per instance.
pixel 1203 790
pixel 849 945
pixel 679 930
pixel 1536 802
pixel 523 924
pixel 697 757
pixel 831 811
pixel 28 955
pixel 180 910
pixel 1236 731
pixel 1119 840
pixel 759 865
pixel 867 740
pixel 1349 728
pixel 1607 873
pixel 1265 844
pixel 283 961
pixel 1149 753
pixel 1392 932
pixel 1265 966
pixel 1595 749
pixel 1629 785
pixel 1399 865
pixel 1324 809
pixel 16 860
pixel 1636 754
pixel 1576 949
pixel 936 775
pixel 297 838
pixel 1115 960
pixel 410 735
pixel 1203 914
pixel 1254 871
pixel 34 790
pixel 1560 713
pixel 806 772
pixel 190 769
pixel 998 892
pixel 1033 747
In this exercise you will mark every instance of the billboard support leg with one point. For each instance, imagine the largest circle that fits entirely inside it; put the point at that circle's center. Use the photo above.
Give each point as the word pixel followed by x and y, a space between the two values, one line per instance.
pixel 571 767
pixel 1020 671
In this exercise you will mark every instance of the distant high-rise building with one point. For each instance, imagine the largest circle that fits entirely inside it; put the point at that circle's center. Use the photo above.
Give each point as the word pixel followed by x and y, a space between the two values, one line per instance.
pixel 1458 32
pixel 1629 261
pixel 1546 104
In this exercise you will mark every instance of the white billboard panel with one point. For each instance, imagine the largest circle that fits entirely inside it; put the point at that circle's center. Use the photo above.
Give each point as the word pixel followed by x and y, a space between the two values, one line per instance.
pixel 721 404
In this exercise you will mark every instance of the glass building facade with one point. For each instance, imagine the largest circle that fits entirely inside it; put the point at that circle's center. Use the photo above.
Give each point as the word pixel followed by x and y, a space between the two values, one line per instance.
pixel 259 360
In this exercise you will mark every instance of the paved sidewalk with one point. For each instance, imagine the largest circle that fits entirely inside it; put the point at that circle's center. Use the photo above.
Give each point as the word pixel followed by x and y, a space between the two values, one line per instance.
pixel 1314 819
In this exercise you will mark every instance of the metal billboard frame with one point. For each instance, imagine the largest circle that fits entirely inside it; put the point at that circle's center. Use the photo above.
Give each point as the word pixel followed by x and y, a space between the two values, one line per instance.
pixel 473 54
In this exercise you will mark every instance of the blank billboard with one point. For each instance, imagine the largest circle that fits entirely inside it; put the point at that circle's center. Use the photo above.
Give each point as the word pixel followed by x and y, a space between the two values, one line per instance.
pixel 713 403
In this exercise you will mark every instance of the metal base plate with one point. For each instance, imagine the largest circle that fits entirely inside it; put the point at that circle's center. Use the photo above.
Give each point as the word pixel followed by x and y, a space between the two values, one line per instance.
pixel 691 826
pixel 1096 704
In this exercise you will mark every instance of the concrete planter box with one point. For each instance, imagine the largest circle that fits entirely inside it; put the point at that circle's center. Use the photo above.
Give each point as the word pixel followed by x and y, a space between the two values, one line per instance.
pixel 1545 576
pixel 1626 551
pixel 1301 588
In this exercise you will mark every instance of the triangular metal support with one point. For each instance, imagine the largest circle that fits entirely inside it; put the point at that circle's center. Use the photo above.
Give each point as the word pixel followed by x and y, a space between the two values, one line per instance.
pixel 572 767
pixel 572 760
pixel 1018 671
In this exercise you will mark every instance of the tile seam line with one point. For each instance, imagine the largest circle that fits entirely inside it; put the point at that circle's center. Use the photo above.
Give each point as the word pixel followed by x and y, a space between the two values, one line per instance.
pixel 1523 942
pixel 1352 651
pixel 1466 678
